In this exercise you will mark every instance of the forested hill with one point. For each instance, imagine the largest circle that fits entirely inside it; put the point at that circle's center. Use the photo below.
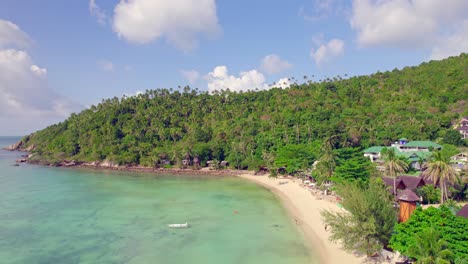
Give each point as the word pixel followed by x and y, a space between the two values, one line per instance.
pixel 253 128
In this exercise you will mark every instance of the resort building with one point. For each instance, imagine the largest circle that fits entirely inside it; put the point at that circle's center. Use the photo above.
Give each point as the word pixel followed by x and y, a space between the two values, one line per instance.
pixel 462 127
pixel 416 152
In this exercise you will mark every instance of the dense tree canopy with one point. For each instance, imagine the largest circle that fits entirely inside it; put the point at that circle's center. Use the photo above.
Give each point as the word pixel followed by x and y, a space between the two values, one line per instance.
pixel 415 102
pixel 452 229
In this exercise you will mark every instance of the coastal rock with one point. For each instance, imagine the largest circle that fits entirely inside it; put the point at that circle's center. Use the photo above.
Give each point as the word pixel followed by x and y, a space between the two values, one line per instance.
pixel 108 164
pixel 66 163
pixel 17 146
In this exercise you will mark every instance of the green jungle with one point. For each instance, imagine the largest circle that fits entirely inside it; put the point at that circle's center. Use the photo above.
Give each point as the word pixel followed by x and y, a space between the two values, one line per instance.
pixel 255 129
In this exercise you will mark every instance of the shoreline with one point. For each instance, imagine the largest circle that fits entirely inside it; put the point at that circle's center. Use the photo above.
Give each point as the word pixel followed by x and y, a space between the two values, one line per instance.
pixel 305 210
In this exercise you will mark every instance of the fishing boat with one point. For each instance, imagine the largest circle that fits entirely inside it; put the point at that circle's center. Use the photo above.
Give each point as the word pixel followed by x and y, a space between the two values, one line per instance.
pixel 179 225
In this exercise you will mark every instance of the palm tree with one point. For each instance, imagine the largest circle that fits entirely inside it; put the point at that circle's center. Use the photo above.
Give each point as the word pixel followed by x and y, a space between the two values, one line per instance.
pixel 440 171
pixel 395 166
pixel 430 248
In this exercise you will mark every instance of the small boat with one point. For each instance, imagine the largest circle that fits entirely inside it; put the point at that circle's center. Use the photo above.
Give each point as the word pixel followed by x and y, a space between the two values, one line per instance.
pixel 179 225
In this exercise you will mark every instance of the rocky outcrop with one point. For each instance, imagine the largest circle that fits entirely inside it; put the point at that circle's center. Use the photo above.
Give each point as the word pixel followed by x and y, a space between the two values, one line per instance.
pixel 20 146
pixel 17 146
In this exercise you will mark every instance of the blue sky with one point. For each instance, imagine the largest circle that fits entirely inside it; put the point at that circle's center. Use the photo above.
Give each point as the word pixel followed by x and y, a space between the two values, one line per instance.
pixel 57 57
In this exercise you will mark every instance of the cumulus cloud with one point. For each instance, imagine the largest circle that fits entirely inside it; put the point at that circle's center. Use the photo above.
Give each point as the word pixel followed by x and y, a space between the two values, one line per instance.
pixel 105 65
pixel 178 21
pixel 410 24
pixel 325 52
pixel 273 64
pixel 97 12
pixel 191 75
pixel 24 90
pixel 26 101
pixel 219 79
pixel 12 36
pixel 283 83
pixel 452 45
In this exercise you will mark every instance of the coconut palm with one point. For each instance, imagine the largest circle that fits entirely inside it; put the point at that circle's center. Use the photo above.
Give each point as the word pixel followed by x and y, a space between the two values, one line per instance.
pixel 440 171
pixel 394 165
pixel 430 248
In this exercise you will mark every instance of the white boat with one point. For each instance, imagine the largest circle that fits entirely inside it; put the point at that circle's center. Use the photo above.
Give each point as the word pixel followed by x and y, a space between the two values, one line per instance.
pixel 179 225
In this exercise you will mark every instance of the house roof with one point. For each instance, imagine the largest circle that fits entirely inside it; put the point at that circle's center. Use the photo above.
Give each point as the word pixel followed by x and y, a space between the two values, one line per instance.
pixel 460 155
pixel 411 182
pixel 388 181
pixel 374 149
pixel 464 211
pixel 403 139
pixel 422 144
pixel 408 195
pixel 415 155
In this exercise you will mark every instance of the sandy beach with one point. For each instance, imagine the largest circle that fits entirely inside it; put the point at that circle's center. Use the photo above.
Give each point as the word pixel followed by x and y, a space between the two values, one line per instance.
pixel 305 209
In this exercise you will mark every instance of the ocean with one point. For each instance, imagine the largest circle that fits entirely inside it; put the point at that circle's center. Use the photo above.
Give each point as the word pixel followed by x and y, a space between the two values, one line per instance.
pixel 59 215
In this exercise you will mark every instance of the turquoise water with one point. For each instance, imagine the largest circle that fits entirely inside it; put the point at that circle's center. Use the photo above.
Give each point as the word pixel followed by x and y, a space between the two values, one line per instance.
pixel 56 215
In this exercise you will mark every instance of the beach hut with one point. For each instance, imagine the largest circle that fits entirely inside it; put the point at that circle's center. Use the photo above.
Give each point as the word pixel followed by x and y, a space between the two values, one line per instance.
pixel 407 199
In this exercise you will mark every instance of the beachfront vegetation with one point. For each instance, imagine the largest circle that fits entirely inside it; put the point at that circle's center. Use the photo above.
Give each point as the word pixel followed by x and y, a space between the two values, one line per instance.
pixel 290 124
pixel 440 171
pixel 450 228
pixel 394 165
pixel 430 248
pixel 367 224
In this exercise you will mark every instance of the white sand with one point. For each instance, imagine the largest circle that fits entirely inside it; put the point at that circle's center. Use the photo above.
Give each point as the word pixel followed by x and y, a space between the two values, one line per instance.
pixel 305 209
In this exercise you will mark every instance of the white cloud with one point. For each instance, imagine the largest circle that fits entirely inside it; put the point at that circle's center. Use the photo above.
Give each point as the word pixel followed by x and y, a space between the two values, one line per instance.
pixel 410 24
pixel 24 90
pixel 283 83
pixel 219 79
pixel 12 36
pixel 105 65
pixel 26 101
pixel 191 75
pixel 452 45
pixel 273 64
pixel 178 21
pixel 40 72
pixel 97 12
pixel 325 52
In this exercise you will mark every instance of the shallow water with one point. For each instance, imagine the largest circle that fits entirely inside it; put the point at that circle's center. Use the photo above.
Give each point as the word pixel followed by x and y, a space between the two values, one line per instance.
pixel 57 215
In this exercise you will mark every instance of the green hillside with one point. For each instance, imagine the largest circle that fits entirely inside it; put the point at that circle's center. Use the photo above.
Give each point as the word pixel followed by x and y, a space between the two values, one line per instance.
pixel 254 128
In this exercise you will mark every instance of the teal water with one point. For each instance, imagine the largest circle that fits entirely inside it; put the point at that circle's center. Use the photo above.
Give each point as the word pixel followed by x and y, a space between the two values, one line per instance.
pixel 56 215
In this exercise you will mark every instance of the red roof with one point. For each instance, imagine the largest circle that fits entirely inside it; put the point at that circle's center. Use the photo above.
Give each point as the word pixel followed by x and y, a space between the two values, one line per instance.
pixel 464 211
pixel 412 182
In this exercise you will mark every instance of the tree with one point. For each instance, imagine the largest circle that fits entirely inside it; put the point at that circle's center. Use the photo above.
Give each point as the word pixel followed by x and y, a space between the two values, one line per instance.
pixel 453 137
pixel 326 163
pixel 368 223
pixel 440 171
pixel 355 169
pixel 430 248
pixel 451 228
pixel 394 165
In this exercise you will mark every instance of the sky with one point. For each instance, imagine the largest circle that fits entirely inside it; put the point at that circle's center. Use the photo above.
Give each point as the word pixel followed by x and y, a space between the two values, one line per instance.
pixel 58 57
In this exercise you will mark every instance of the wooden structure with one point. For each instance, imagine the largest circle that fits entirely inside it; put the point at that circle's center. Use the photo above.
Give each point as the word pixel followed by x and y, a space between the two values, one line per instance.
pixel 407 199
